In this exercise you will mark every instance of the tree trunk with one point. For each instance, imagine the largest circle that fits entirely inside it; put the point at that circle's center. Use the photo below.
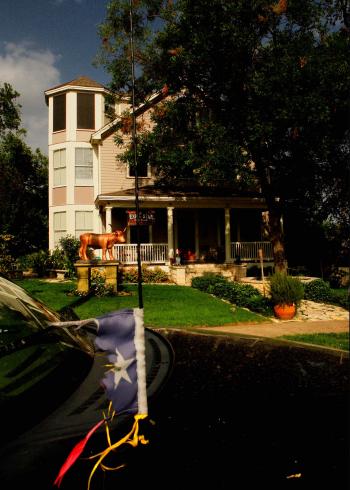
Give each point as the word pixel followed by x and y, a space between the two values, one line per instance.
pixel 274 222
pixel 276 238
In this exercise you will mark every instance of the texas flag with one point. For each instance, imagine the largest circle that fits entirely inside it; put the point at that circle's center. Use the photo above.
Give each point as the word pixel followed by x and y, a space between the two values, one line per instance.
pixel 121 335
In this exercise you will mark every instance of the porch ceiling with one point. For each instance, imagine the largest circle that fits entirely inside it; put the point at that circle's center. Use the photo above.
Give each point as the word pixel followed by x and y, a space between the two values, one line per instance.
pixel 160 197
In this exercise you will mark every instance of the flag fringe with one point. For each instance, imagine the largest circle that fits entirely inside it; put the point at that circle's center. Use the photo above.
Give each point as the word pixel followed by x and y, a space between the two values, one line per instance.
pixel 132 437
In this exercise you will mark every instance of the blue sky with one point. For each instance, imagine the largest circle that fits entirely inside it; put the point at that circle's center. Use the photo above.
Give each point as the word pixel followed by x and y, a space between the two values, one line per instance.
pixel 44 43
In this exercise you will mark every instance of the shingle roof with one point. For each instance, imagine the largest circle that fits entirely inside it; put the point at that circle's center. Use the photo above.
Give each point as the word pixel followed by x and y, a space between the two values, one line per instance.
pixel 81 81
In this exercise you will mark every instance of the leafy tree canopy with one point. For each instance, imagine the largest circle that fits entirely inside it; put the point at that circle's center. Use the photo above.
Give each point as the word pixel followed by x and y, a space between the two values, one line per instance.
pixel 23 183
pixel 259 94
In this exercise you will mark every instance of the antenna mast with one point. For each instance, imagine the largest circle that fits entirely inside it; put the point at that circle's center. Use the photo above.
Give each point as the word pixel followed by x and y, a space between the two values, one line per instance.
pixel 134 141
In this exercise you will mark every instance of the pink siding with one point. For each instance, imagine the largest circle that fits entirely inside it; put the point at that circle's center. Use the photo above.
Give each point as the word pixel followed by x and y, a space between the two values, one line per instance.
pixel 84 195
pixel 114 172
pixel 59 196
pixel 59 137
pixel 83 135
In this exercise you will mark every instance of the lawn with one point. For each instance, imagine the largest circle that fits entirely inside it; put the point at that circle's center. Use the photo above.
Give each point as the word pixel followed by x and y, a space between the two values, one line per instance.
pixel 164 305
pixel 335 340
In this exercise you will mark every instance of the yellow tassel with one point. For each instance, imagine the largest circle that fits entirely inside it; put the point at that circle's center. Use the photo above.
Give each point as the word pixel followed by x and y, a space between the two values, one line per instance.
pixel 132 438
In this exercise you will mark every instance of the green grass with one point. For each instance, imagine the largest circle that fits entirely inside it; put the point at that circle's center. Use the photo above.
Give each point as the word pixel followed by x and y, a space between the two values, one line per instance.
pixel 54 294
pixel 164 305
pixel 335 340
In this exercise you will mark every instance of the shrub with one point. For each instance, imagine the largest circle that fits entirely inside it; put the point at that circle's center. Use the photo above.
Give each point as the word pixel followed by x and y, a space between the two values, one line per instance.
pixel 207 281
pixel 39 262
pixel 98 285
pixel 155 275
pixel 7 261
pixel 341 297
pixel 57 259
pixel 318 290
pixel 70 246
pixel 285 290
pixel 259 304
pixel 243 295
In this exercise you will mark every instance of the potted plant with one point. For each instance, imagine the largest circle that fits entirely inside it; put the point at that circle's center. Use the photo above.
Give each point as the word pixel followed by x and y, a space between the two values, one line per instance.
pixel 286 292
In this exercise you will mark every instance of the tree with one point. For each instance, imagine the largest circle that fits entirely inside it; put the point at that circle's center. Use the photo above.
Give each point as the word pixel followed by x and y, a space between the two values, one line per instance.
pixel 9 109
pixel 23 183
pixel 260 96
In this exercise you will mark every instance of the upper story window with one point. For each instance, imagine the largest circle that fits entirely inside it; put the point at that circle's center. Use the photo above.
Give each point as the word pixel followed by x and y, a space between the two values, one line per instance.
pixel 59 112
pixel 83 166
pixel 142 170
pixel 59 167
pixel 85 111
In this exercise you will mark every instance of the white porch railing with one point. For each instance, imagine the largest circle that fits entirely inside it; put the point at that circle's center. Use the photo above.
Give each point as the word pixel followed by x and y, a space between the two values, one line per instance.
pixel 250 250
pixel 155 253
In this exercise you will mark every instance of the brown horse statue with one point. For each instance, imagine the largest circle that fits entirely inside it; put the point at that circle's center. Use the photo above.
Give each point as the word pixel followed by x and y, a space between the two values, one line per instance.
pixel 105 241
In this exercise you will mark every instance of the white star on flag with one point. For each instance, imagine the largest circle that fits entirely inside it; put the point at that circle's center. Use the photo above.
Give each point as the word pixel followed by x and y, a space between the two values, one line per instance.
pixel 120 368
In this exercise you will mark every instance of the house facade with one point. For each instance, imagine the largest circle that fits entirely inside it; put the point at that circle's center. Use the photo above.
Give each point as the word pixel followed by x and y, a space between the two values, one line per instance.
pixel 92 190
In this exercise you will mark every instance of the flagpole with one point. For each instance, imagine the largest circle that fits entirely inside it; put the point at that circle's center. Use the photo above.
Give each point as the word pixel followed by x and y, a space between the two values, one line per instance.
pixel 134 141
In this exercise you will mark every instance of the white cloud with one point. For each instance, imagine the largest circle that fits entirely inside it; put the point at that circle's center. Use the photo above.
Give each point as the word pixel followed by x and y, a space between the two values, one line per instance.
pixel 30 71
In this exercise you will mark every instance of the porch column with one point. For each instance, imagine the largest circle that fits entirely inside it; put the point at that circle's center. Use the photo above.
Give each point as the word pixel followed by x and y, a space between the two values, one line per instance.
pixel 227 236
pixel 176 232
pixel 196 233
pixel 108 219
pixel 170 211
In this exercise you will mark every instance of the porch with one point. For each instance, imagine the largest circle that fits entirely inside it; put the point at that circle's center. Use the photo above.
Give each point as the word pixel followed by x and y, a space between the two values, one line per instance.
pixel 157 253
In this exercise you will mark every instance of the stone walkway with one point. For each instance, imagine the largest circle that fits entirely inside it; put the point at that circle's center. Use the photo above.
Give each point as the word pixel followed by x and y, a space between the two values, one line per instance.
pixel 311 318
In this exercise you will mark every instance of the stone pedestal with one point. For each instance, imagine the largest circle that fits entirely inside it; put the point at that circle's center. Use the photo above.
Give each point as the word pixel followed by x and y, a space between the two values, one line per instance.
pixel 84 267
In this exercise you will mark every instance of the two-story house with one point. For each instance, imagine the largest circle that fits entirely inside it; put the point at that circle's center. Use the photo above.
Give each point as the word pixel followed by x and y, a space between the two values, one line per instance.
pixel 90 189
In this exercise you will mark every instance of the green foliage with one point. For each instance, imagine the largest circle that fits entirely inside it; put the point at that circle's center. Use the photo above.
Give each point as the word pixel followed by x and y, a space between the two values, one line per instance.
pixel 341 297
pixel 243 295
pixel 57 259
pixel 318 290
pixel 39 262
pixel 23 189
pixel 70 246
pixel 280 122
pixel 285 290
pixel 154 275
pixel 9 109
pixel 99 286
pixel 207 281
pixel 7 261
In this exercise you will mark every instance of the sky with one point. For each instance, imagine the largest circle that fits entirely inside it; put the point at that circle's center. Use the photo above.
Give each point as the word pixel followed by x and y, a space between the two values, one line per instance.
pixel 44 43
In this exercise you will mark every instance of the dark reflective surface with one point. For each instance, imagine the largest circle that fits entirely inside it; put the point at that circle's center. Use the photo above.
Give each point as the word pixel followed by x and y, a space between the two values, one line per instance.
pixel 247 413
pixel 236 413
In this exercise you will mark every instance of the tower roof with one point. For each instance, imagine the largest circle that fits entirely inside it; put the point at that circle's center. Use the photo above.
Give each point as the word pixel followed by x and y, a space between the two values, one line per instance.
pixel 81 81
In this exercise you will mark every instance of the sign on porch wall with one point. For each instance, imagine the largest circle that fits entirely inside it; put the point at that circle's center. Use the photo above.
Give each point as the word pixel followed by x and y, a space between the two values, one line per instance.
pixel 146 217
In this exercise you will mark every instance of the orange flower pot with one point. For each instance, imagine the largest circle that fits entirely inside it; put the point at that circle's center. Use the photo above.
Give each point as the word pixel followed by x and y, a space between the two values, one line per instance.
pixel 285 312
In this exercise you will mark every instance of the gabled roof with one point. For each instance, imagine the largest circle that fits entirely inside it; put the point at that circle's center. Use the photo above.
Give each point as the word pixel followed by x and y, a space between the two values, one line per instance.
pixel 80 82
pixel 109 128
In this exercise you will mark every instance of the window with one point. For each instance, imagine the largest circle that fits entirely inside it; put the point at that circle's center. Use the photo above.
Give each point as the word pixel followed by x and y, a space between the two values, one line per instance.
pixel 59 112
pixel 83 166
pixel 85 111
pixel 59 167
pixel 59 226
pixel 83 222
pixel 142 170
